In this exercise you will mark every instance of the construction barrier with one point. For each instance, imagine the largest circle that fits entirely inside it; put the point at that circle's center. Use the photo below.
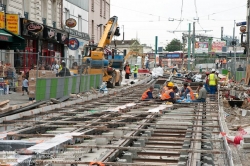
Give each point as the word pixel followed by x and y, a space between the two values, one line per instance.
pixel 240 75
pixel 58 87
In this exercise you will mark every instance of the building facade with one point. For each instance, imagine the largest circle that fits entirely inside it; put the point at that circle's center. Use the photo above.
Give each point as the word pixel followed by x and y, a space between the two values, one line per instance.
pixel 78 35
pixel 99 14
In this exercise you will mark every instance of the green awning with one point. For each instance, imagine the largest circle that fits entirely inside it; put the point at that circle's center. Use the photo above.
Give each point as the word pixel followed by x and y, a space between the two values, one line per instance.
pixel 4 36
pixel 11 41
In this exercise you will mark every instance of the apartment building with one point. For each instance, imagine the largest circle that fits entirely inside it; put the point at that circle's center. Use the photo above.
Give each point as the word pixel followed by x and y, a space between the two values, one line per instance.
pixel 99 14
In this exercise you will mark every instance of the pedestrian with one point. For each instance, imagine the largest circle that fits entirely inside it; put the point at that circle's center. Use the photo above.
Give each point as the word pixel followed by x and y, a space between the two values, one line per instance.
pixel 55 67
pixel 127 71
pixel 202 94
pixel 147 64
pixel 212 81
pixel 135 72
pixel 240 68
pixel 25 85
pixel 148 94
pixel 187 90
pixel 65 71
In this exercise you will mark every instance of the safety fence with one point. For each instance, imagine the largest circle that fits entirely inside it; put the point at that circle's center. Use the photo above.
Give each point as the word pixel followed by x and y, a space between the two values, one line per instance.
pixel 58 87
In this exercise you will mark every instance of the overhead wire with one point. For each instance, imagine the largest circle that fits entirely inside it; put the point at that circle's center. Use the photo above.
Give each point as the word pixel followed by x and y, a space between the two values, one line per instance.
pixel 181 15
pixel 197 14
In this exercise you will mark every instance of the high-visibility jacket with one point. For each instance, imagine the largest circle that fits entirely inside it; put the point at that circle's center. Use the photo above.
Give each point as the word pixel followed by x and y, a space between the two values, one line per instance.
pixel 224 61
pixel 136 70
pixel 166 95
pixel 212 80
pixel 191 93
pixel 164 90
pixel 145 95
pixel 60 67
pixel 127 70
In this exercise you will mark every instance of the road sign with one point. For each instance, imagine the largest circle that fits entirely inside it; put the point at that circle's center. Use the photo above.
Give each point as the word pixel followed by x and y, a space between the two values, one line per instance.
pixel 241 23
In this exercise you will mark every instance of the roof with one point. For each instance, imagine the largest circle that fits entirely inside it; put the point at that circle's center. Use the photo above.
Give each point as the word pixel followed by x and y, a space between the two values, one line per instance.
pixel 126 42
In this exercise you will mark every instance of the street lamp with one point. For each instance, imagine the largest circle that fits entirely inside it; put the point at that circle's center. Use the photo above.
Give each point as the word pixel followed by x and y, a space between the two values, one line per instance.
pixel 123 34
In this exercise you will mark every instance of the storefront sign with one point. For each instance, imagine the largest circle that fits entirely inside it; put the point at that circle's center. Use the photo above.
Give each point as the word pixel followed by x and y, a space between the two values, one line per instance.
pixel 5 38
pixel 2 20
pixel 78 34
pixel 73 44
pixel 12 23
pixel 71 23
pixel 34 27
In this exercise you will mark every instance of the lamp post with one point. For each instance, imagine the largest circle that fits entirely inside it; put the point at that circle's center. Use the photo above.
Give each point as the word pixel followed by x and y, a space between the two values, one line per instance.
pixel 123 34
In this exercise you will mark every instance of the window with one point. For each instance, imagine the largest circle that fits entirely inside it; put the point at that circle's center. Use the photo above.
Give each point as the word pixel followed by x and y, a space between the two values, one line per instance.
pixel 100 32
pixel 92 5
pixel 79 23
pixel 92 29
pixel 67 15
pixel 104 12
pixel 101 8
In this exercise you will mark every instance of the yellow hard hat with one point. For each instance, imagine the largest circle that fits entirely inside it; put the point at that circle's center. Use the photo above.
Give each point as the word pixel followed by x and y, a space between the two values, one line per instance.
pixel 170 84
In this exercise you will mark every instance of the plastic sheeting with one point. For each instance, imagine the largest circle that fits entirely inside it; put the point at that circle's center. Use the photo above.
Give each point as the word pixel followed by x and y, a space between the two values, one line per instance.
pixel 157 72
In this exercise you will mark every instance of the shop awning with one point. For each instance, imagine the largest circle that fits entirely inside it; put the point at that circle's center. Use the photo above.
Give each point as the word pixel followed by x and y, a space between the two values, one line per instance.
pixel 11 41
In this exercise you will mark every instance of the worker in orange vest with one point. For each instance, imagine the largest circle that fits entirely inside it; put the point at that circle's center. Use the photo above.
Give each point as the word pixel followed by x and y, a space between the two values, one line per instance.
pixel 165 88
pixel 187 90
pixel 170 94
pixel 224 63
pixel 127 71
pixel 148 94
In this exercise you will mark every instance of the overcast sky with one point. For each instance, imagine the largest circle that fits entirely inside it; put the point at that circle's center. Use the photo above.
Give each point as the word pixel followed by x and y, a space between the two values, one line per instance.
pixel 149 18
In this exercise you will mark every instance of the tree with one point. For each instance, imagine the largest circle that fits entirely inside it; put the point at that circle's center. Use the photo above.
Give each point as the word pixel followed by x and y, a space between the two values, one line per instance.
pixel 174 45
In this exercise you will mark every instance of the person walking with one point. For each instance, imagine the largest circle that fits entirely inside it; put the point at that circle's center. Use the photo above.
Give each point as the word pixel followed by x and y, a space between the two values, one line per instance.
pixel 135 72
pixel 25 85
pixel 212 79
pixel 55 67
pixel 127 71
pixel 202 94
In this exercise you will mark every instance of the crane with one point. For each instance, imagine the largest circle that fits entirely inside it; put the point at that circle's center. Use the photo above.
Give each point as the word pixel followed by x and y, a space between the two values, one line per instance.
pixel 94 55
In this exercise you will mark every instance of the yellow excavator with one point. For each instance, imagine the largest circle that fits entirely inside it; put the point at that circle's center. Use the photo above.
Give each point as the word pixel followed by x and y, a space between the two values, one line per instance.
pixel 134 53
pixel 94 59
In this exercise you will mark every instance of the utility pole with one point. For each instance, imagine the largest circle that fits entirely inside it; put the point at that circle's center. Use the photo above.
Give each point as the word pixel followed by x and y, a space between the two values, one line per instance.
pixel 189 44
pixel 193 39
pixel 234 44
pixel 156 47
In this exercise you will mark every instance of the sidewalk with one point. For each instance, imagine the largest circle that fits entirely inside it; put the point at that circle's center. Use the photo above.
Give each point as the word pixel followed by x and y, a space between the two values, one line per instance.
pixel 15 98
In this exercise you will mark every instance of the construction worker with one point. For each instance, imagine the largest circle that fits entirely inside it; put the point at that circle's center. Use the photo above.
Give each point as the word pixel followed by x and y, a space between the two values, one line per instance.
pixel 170 94
pixel 212 80
pixel 187 90
pixel 165 88
pixel 60 66
pixel 127 71
pixel 135 72
pixel 148 94
pixel 202 94
pixel 224 63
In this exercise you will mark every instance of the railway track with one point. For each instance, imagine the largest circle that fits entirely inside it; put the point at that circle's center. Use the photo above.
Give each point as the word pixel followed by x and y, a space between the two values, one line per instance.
pixel 119 129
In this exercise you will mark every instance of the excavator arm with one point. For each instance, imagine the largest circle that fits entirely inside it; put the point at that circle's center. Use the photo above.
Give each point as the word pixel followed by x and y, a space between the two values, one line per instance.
pixel 111 30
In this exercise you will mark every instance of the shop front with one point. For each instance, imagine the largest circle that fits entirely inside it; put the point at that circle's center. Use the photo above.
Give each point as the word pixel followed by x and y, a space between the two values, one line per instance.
pixel 53 42
pixel 74 49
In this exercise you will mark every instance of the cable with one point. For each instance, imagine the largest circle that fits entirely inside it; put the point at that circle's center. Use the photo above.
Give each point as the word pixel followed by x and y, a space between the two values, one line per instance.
pixel 181 15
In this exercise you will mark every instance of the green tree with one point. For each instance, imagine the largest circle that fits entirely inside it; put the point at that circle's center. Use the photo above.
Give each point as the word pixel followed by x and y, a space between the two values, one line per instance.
pixel 174 45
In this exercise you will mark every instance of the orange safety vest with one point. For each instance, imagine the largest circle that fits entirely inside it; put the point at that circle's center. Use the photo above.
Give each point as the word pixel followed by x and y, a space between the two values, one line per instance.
pixel 164 90
pixel 191 93
pixel 96 163
pixel 127 70
pixel 166 95
pixel 224 61
pixel 145 94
